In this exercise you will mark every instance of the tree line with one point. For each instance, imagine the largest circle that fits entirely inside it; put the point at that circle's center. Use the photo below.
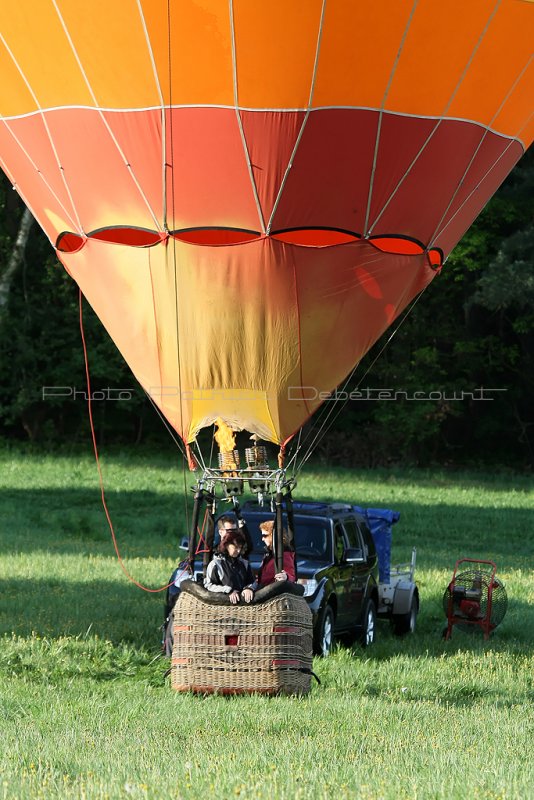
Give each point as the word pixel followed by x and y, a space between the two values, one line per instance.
pixel 453 384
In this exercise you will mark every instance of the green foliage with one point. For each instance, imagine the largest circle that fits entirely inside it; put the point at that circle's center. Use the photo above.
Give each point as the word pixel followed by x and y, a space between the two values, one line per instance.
pixel 42 371
pixel 86 710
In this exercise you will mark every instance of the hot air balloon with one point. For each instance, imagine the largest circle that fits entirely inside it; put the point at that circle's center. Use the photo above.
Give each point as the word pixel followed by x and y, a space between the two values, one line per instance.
pixel 249 193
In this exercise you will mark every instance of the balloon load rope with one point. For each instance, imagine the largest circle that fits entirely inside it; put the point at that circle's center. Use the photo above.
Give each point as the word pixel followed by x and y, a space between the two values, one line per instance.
pixel 201 538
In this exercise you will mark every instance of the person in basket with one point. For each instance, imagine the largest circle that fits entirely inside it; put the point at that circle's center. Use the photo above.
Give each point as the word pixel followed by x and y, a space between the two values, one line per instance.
pixel 228 572
pixel 267 571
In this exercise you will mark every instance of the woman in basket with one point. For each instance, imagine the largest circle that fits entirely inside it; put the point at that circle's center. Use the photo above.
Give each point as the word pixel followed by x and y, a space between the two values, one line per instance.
pixel 228 572
pixel 267 571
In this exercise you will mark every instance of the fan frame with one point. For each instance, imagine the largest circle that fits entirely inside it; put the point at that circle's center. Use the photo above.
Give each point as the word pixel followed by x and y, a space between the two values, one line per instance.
pixel 484 622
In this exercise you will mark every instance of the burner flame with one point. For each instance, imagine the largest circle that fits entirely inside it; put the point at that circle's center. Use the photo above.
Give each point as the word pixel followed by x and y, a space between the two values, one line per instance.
pixel 224 436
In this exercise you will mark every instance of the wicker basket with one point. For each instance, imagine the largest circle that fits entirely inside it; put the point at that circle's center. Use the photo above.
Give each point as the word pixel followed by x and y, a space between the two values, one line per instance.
pixel 265 647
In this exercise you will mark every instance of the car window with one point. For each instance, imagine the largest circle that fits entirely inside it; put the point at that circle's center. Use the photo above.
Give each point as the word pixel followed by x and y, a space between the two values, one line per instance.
pixel 339 543
pixel 311 537
pixel 367 539
pixel 353 534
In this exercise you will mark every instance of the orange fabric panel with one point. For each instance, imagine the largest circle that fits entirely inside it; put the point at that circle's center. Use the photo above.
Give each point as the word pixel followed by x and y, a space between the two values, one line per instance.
pixel 513 119
pixel 209 182
pixel 31 164
pixel 270 139
pixel 275 51
pixel 104 189
pixel 393 244
pixel 350 295
pixel 430 80
pixel 215 237
pixel 116 281
pixel 314 237
pixel 358 49
pixel 437 48
pixel 134 237
pixel 237 330
pixel 119 70
pixel 39 44
pixel 70 242
pixel 201 48
pixel 15 97
pixel 503 54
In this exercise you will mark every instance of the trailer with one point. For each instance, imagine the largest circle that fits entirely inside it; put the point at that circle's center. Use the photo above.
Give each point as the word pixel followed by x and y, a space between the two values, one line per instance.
pixel 398 594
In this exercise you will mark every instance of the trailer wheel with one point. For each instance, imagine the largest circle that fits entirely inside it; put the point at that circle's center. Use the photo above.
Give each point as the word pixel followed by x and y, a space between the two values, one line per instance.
pixel 368 631
pixel 405 623
pixel 324 635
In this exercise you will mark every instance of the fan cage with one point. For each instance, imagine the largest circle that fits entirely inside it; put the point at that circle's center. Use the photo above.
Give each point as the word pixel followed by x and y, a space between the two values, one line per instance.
pixel 476 596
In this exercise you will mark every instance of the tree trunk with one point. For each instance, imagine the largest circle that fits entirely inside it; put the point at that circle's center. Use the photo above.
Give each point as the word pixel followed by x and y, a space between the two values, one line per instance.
pixel 16 257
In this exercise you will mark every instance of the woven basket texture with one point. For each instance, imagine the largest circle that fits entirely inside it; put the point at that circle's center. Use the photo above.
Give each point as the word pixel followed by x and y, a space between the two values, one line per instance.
pixel 264 647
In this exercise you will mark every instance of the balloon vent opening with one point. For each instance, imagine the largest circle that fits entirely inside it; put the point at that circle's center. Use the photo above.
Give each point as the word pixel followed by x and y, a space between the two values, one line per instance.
pixel 215 237
pixel 69 242
pixel 315 237
pixel 130 236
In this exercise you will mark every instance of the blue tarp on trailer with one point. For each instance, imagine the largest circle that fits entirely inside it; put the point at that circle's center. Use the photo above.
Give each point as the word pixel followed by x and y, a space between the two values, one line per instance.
pixel 381 521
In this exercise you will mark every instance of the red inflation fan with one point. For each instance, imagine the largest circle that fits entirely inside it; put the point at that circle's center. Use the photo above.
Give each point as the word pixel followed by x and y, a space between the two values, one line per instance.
pixel 474 598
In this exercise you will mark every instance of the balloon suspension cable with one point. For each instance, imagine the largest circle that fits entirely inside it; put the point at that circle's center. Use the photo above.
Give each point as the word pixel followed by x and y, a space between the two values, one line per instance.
pixel 176 439
pixel 200 459
pixel 293 453
pixel 338 405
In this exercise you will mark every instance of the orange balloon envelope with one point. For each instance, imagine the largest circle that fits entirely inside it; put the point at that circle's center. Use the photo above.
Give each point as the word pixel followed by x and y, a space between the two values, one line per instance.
pixel 249 193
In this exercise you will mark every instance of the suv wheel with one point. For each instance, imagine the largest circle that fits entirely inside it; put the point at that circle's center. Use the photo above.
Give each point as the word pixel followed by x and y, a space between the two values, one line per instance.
pixel 324 637
pixel 368 630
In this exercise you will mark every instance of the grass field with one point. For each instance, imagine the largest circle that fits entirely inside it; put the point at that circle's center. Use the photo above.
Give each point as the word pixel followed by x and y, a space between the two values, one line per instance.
pixel 85 711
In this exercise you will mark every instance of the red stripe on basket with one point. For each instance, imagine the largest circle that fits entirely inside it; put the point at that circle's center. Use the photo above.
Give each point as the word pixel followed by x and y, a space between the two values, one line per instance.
pixel 182 627
pixel 285 662
pixel 177 661
pixel 286 629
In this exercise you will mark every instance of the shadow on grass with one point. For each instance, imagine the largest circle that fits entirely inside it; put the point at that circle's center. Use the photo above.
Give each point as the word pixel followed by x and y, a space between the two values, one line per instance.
pixel 149 524
pixel 110 610
pixel 69 521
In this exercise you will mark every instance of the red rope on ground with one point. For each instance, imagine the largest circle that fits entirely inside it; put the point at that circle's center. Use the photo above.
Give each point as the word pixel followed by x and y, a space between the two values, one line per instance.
pixel 100 477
